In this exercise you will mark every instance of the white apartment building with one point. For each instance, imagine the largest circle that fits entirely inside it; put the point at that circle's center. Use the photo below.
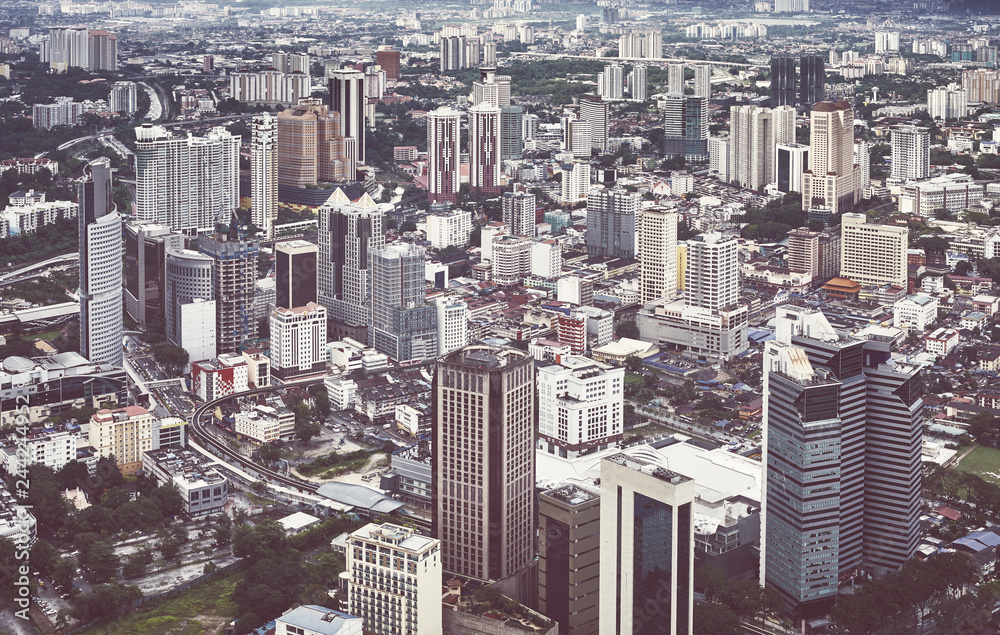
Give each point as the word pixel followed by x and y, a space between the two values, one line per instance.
pixel 911 152
pixel 264 173
pixel 872 255
pixel 953 192
pixel 124 98
pixel 197 329
pixel 342 392
pixel 125 433
pixel 546 258
pixel 519 213
pixel 452 324
pixel 26 219
pixel 298 340
pixel 915 313
pixel 511 260
pixel 580 406
pixel 657 254
pixel 575 183
pixel 53 449
pixel 755 133
pixel 718 157
pixel 941 342
pixel 449 229
pixel 949 102
pixel 488 233
pixel 395 580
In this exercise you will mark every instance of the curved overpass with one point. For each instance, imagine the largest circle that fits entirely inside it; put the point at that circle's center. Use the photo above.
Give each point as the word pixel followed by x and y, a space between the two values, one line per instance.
pixel 220 448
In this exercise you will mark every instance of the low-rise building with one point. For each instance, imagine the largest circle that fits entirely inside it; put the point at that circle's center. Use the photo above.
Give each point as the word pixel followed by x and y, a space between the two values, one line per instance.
pixel 52 447
pixel 264 424
pixel 915 312
pixel 941 342
pixel 125 433
pixel 219 377
pixel 413 418
pixel 974 321
pixel 310 619
pixel 17 524
pixel 342 392
pixel 580 406
pixel 202 487
pixel 378 403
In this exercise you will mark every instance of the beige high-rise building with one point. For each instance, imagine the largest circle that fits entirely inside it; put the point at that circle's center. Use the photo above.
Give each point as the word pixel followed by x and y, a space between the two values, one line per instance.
pixel 657 254
pixel 124 433
pixel 484 467
pixel 815 253
pixel 832 179
pixel 982 85
pixel 311 148
pixel 264 173
pixel 755 133
pixel 872 255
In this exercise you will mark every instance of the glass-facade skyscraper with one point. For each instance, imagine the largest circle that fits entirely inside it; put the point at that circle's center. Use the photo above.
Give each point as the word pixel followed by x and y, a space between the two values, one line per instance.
pixel 404 324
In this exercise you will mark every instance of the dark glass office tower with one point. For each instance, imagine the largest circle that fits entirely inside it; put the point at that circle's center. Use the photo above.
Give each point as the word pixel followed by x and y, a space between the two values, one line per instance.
pixel 812 72
pixel 782 81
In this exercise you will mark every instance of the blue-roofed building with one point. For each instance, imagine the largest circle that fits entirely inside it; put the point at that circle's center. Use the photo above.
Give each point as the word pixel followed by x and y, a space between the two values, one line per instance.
pixel 981 545
pixel 310 619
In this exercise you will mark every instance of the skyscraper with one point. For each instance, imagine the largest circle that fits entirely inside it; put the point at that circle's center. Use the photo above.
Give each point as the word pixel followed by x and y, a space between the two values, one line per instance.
pixel 657 254
pixel 145 272
pixel 862 159
pixel 443 130
pixel 186 183
pixel 347 99
pixel 675 78
pixel 483 467
pixel 103 51
pixel 611 223
pixel 610 83
pixel 511 132
pixel 637 85
pixel 685 127
pixel 295 269
pixel 65 47
pixel 647 553
pixel 873 255
pixel 484 148
pixel 264 173
pixel 519 213
pixel 595 110
pixel 348 234
pixel 911 152
pixel 298 341
pixel 389 61
pixel 783 81
pixel 311 147
pixel 812 79
pixel 189 280
pixel 703 80
pixel 100 245
pixel 235 277
pixel 790 162
pixel 848 496
pixel 712 276
pixel 947 102
pixel 755 133
pixel 124 98
pixel 491 88
pixel 576 136
pixel 832 178
pixel 404 324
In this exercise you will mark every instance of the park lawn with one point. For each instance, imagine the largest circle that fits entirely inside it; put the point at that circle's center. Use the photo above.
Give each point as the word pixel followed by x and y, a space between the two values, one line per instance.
pixel 48 336
pixel 201 610
pixel 984 462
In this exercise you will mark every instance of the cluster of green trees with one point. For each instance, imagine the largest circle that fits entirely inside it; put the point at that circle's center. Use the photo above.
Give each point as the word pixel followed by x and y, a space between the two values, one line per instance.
pixel 909 592
pixel 977 498
pixel 48 241
pixel 51 289
pixel 730 601
pixel 772 223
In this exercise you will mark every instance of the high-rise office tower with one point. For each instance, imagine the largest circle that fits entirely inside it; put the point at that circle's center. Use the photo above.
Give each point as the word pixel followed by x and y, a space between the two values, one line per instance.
pixel 347 98
pixel 569 547
pixel 872 255
pixel 295 273
pixel 103 51
pixel 452 324
pixel 389 61
pixel 647 554
pixel 298 341
pixel 145 272
pixel 685 126
pixel 657 254
pixel 911 152
pixel 712 277
pixel 348 234
pixel 576 136
pixel 404 324
pixel 755 133
pixel 703 80
pixel 443 130
pixel 637 84
pixel 264 173
pixel 675 78
pixel 611 223
pixel 855 417
pixel 579 405
pixel 595 110
pixel 190 280
pixel 235 275
pixel 862 159
pixel 100 245
pixel 812 79
pixel 484 148
pixel 783 84
pixel 610 83
pixel 832 178
pixel 519 213
pixel 486 90
pixel 312 148
pixel 483 466
pixel 511 132
pixel 186 183
pixel 790 161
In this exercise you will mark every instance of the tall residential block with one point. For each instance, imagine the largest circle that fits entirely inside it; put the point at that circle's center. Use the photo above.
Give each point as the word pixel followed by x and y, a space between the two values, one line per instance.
pixel 703 80
pixel 569 565
pixel 832 178
pixel 100 246
pixel 347 99
pixel 755 133
pixel 124 433
pixel 264 173
pixel 657 254
pixel 611 223
pixel 519 213
pixel 124 98
pixel 712 279
pixel 675 78
pixel 595 110
pixel 647 548
pixel 186 183
pixel 452 324
pixel 947 102
pixel 611 83
pixel 394 580
pixel 911 152
pixel 815 253
pixel 636 83
pixel 404 324
pixel 484 148
pixel 296 273
pixel 234 271
pixel 312 148
pixel 443 131
pixel 483 466
pixel 872 255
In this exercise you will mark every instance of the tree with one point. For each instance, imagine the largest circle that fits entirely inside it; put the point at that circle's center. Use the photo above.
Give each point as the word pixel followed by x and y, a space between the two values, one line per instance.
pixel 97 557
pixel 169 547
pixel 174 358
pixel 408 226
pixel 223 533
pixel 715 619
pixel 63 573
pixel 633 363
pixel 628 329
